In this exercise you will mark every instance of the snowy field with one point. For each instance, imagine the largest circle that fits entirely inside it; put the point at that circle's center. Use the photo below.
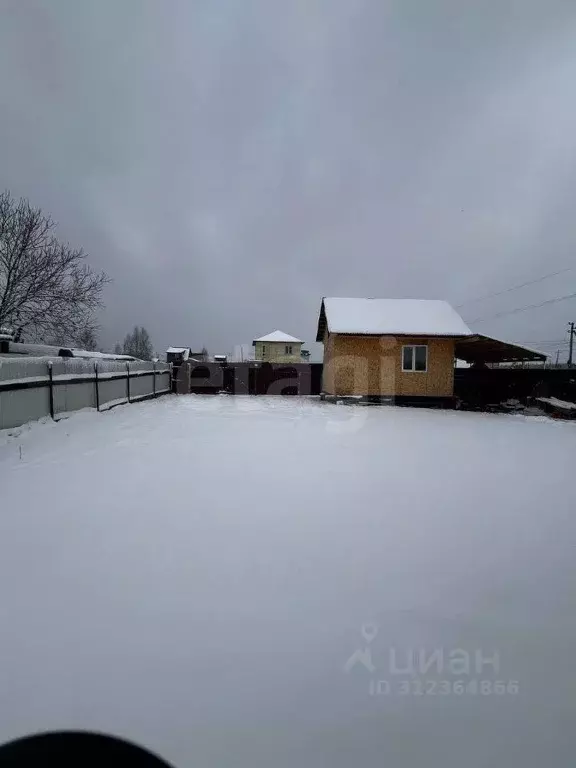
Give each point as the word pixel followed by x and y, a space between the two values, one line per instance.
pixel 240 582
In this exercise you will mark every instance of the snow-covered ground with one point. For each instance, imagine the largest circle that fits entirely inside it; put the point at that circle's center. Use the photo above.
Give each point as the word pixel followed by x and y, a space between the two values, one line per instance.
pixel 225 580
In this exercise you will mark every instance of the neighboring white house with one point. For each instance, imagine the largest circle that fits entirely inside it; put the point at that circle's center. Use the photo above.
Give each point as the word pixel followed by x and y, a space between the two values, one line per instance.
pixel 278 347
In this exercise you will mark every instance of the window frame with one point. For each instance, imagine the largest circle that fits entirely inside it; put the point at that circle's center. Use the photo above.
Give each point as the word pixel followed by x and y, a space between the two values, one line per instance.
pixel 413 369
pixel 288 349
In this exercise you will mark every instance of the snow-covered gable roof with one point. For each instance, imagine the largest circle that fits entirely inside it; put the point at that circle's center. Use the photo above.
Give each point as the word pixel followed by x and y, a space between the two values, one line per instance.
pixel 375 317
pixel 280 336
pixel 184 351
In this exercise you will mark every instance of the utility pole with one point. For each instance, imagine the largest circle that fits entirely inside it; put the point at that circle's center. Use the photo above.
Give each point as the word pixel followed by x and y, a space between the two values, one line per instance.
pixel 557 357
pixel 572 333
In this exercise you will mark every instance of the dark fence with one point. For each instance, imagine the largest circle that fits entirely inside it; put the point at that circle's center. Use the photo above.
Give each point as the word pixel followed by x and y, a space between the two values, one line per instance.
pixel 249 378
pixel 473 386
pixel 485 386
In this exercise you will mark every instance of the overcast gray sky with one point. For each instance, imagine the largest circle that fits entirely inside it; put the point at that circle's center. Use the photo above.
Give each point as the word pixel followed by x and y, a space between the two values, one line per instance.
pixel 229 162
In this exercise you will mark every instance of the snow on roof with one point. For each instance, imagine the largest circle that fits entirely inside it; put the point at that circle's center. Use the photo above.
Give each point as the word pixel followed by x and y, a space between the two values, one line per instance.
pixel 91 355
pixel 280 336
pixel 185 351
pixel 47 350
pixel 409 317
pixel 34 350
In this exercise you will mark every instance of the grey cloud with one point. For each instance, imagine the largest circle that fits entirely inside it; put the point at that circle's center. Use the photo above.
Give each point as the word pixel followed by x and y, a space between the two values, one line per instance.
pixel 230 163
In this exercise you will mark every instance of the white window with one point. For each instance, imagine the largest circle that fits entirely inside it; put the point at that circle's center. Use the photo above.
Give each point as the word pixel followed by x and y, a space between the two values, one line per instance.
pixel 288 349
pixel 415 358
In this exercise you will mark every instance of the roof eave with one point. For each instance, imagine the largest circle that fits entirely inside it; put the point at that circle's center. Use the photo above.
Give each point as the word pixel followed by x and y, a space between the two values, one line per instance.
pixel 264 340
pixel 422 334
pixel 322 323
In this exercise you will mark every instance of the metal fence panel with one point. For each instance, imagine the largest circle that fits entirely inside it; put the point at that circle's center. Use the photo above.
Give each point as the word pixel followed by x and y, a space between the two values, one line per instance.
pixel 141 386
pixel 70 394
pixel 22 405
pixel 28 402
pixel 28 392
pixel 112 392
pixel 164 382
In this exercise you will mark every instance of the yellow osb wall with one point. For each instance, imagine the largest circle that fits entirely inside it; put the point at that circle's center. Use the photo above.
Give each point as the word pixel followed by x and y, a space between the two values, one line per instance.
pixel 372 365
pixel 328 369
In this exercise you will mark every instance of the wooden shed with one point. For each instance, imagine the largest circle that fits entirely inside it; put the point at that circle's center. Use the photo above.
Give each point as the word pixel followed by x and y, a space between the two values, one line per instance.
pixel 389 350
pixel 401 350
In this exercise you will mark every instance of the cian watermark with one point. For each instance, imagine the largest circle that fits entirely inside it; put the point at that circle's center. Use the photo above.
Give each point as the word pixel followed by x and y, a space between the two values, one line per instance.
pixel 419 686
pixel 421 671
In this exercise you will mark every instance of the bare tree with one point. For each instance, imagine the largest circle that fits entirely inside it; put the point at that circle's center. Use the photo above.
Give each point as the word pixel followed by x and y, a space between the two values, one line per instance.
pixel 87 339
pixel 46 288
pixel 138 344
pixel 118 349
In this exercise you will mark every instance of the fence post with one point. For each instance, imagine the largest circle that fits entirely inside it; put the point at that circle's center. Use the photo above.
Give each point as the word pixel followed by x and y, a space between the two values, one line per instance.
pixel 96 385
pixel 128 381
pixel 51 377
pixel 154 378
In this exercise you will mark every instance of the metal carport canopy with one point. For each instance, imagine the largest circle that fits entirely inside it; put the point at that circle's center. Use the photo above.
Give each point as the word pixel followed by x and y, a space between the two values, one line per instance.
pixel 485 349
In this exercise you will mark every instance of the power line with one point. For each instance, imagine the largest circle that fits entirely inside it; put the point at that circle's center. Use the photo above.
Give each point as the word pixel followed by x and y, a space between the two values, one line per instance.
pixel 515 287
pixel 547 348
pixel 523 309
pixel 545 343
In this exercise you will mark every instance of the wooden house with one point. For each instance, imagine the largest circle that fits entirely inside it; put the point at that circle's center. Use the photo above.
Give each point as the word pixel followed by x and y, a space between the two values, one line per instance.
pixel 389 350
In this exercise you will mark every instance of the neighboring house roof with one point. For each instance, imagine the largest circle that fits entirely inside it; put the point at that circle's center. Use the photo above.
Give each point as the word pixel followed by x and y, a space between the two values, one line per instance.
pixel 280 336
pixel 379 317
pixel 35 350
pixel 18 349
pixel 84 353
pixel 185 351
